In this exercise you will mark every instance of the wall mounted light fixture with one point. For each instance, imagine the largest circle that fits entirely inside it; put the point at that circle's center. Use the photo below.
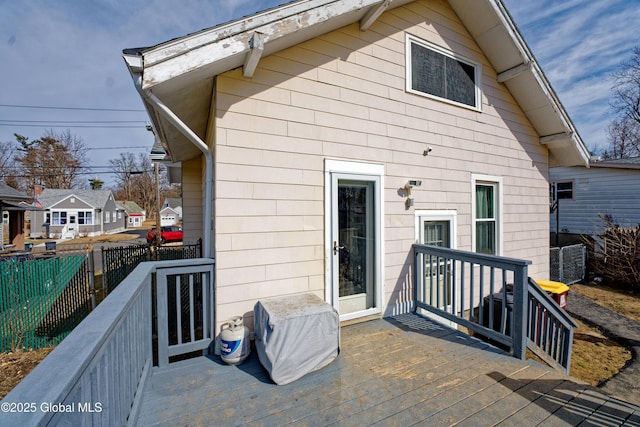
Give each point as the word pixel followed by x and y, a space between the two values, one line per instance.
pixel 409 185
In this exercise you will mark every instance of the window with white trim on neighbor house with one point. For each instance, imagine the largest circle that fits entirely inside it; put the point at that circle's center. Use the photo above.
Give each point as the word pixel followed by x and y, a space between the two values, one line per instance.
pixel 439 73
pixel 486 215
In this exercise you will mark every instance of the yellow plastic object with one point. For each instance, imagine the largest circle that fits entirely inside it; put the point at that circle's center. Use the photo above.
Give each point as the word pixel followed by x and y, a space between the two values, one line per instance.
pixel 556 288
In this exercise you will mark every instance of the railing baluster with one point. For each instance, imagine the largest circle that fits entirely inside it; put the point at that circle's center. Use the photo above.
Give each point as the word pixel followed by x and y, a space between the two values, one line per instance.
pixel 178 309
pixel 533 319
pixel 192 307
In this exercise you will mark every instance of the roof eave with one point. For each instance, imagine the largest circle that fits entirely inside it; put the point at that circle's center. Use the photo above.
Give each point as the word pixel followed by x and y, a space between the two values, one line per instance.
pixel 173 66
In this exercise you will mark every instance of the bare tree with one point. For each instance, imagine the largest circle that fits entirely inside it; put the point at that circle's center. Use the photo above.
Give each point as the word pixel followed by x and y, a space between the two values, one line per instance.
pixel 624 139
pixel 8 167
pixel 624 131
pixel 125 167
pixel 54 161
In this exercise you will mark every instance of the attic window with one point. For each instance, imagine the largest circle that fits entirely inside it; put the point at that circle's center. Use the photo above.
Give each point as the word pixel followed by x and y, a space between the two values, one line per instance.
pixel 439 73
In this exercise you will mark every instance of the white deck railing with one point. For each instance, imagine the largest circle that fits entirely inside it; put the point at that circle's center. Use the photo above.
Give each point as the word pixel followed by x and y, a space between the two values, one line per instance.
pixel 97 374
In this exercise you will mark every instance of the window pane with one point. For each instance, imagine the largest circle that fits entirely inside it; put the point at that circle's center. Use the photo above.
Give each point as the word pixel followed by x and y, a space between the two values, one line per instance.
pixel 564 190
pixel 461 85
pixel 427 68
pixel 437 74
pixel 486 237
pixel 484 202
pixel 437 233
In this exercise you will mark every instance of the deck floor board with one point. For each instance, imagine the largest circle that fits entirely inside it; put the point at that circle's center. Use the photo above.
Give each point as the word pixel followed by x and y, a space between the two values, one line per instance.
pixel 401 371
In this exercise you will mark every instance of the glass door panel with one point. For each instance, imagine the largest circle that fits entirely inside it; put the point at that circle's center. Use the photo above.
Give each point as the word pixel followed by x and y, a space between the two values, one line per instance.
pixel 354 245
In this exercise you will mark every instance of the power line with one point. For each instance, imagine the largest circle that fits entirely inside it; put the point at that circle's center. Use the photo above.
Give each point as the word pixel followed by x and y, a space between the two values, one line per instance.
pixel 71 108
pixel 76 126
pixel 72 121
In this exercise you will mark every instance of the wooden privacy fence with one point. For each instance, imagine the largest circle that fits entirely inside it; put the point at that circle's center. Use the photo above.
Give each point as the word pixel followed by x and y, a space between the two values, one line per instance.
pixel 119 262
pixel 43 297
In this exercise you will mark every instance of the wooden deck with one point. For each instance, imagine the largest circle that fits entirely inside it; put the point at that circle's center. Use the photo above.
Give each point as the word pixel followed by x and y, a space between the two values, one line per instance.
pixel 401 371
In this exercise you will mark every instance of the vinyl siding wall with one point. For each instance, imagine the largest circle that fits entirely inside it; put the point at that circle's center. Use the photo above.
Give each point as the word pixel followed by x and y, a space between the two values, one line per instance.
pixel 597 191
pixel 342 96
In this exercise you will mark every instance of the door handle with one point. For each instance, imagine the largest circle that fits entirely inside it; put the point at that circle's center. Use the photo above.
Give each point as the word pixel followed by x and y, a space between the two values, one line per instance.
pixel 336 248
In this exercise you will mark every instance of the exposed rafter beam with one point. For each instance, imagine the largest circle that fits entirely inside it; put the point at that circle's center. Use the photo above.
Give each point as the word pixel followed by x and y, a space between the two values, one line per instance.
pixel 550 139
pixel 373 14
pixel 513 72
pixel 253 56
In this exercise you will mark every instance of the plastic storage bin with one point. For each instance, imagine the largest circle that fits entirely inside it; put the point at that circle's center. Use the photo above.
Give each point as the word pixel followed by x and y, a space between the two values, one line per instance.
pixel 558 291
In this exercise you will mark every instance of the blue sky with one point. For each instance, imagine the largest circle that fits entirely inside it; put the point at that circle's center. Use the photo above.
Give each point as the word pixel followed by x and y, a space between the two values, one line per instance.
pixel 68 54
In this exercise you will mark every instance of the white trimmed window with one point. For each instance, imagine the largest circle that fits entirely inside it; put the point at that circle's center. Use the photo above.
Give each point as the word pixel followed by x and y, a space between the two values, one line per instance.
pixel 439 73
pixel 487 214
pixel 58 218
pixel 107 216
pixel 85 218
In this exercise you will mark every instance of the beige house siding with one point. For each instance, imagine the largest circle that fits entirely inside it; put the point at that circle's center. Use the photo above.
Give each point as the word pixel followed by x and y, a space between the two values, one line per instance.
pixel 192 199
pixel 342 96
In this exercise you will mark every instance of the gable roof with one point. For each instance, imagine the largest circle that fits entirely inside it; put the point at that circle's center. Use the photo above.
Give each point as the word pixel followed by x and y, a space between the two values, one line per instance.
pixel 173 202
pixel 130 207
pixel 11 194
pixel 95 198
pixel 180 71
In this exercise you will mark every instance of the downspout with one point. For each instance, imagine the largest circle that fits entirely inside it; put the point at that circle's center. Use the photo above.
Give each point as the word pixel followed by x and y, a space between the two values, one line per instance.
pixel 200 145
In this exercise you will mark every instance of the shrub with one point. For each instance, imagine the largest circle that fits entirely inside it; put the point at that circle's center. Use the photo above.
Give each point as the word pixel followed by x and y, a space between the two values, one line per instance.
pixel 615 255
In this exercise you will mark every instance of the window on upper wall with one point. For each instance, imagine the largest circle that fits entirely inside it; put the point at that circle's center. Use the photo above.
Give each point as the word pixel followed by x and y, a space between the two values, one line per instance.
pixel 486 215
pixel 436 72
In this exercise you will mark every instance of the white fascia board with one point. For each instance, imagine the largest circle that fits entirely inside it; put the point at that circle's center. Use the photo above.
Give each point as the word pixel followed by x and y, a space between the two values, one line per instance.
pixel 134 63
pixel 215 46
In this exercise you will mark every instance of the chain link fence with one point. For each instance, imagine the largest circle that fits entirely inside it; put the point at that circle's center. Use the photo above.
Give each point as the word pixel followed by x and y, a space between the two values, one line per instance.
pixel 568 264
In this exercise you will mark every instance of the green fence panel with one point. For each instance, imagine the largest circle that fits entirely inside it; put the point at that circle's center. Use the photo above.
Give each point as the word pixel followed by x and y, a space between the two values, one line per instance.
pixel 28 291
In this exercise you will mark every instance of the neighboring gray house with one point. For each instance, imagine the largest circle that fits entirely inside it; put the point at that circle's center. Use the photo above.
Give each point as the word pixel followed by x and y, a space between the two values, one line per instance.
pixel 76 213
pixel 13 205
pixel 607 189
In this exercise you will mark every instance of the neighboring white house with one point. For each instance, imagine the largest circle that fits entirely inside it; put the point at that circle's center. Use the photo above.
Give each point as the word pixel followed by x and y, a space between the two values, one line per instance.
pixel 171 211
pixel 168 216
pixel 76 213
pixel 135 215
pixel 587 196
pixel 322 132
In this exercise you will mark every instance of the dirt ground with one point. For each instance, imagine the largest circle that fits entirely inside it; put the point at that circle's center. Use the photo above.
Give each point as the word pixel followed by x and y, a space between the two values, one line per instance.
pixel 595 357
pixel 14 366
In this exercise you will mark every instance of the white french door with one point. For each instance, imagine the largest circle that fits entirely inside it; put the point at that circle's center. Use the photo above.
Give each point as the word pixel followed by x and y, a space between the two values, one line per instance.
pixel 354 239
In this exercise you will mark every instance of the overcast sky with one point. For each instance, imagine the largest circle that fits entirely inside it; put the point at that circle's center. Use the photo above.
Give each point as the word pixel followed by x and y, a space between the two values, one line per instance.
pixel 68 55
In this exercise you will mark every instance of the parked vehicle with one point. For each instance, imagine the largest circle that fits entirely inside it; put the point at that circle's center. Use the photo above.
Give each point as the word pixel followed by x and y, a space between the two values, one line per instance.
pixel 172 233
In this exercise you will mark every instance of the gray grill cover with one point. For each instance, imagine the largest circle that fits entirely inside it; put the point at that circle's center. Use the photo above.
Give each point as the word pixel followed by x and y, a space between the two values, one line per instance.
pixel 295 335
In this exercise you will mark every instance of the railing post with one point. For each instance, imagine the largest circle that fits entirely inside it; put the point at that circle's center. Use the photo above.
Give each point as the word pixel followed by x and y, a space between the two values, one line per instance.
pixel 520 315
pixel 415 278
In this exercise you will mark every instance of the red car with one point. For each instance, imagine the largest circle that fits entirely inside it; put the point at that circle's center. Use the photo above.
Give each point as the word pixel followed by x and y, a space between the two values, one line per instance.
pixel 171 233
